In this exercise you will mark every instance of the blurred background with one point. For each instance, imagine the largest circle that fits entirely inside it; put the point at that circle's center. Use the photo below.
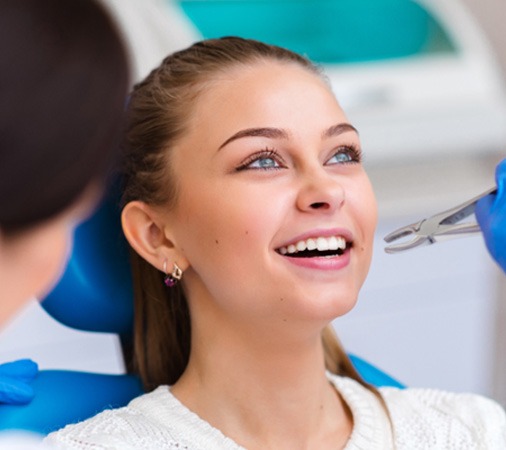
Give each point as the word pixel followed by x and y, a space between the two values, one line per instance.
pixel 425 84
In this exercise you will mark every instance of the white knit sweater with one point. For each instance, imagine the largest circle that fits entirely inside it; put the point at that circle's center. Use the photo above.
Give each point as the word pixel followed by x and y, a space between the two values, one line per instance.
pixel 421 418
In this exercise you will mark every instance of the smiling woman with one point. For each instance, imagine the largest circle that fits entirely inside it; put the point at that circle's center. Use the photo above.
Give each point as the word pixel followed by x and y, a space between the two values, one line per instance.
pixel 251 221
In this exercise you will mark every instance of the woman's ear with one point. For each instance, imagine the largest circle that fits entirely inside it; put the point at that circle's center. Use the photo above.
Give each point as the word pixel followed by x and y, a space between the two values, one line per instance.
pixel 146 232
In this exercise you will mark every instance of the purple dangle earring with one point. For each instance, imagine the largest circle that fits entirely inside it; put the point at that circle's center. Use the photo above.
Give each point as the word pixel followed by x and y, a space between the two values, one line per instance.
pixel 172 279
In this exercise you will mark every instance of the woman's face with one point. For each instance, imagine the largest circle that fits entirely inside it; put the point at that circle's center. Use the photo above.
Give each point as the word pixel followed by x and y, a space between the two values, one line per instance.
pixel 275 213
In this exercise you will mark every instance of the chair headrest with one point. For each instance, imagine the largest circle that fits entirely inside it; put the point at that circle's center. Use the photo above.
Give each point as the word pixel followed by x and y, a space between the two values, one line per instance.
pixel 95 292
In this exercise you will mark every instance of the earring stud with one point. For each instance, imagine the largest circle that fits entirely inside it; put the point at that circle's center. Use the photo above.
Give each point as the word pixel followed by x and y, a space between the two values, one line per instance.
pixel 173 278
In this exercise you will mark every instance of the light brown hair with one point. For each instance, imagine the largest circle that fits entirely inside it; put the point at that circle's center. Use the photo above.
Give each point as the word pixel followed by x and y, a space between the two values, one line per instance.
pixel 158 114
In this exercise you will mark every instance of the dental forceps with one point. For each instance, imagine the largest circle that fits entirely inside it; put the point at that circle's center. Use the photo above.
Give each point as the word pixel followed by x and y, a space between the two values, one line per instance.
pixel 437 227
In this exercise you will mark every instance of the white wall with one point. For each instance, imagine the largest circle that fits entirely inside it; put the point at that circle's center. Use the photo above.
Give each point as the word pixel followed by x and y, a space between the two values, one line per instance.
pixel 490 15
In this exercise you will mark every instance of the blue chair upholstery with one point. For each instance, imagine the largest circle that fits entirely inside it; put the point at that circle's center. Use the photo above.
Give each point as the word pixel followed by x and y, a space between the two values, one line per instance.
pixel 372 375
pixel 95 294
pixel 63 397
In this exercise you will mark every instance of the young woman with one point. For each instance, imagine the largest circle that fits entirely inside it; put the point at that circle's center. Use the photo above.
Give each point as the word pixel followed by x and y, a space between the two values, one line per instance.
pixel 63 86
pixel 252 222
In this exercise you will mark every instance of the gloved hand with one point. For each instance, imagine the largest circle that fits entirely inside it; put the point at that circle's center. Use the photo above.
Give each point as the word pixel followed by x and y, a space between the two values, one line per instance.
pixel 491 215
pixel 14 381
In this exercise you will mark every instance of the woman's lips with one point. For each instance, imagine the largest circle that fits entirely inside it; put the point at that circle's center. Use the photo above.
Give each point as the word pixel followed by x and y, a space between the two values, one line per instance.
pixel 324 249
pixel 314 245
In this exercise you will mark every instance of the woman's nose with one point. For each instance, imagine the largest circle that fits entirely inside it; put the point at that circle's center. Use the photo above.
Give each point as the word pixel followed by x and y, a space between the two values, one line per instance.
pixel 320 191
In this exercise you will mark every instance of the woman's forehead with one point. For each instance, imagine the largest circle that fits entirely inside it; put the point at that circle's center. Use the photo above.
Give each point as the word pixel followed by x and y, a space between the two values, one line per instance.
pixel 274 96
pixel 259 84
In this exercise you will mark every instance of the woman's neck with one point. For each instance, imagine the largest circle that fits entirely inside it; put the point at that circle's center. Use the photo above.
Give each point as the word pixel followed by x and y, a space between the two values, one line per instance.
pixel 264 392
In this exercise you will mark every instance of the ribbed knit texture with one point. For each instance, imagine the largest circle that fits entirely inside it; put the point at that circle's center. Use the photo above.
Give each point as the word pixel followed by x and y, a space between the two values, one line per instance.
pixel 422 419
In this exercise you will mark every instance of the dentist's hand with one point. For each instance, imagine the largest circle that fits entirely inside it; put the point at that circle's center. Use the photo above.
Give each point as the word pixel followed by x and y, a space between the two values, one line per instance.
pixel 15 378
pixel 491 216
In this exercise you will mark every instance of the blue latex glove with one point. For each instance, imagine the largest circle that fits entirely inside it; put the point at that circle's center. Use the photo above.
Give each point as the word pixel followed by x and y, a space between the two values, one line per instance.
pixel 491 216
pixel 15 378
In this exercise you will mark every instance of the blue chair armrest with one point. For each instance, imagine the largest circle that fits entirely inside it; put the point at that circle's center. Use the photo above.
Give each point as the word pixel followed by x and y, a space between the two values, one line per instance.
pixel 64 397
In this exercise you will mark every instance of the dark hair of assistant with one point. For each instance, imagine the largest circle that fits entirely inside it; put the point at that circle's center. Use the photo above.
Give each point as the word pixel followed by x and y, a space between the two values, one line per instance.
pixel 63 82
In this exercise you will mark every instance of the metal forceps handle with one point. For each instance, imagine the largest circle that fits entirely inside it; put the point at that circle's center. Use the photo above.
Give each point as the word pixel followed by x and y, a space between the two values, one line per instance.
pixel 437 227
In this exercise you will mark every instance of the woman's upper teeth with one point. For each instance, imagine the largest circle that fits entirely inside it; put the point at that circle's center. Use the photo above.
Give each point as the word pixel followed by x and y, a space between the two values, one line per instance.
pixel 320 243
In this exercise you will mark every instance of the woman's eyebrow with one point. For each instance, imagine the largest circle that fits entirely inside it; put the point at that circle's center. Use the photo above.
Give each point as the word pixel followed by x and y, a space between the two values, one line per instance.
pixel 338 129
pixel 277 133
pixel 272 133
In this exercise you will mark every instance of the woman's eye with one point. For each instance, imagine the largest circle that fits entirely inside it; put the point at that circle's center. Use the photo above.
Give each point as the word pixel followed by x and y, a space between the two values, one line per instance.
pixel 345 155
pixel 263 161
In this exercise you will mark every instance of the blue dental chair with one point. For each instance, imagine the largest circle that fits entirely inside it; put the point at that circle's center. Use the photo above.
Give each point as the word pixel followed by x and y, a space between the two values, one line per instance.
pixel 95 294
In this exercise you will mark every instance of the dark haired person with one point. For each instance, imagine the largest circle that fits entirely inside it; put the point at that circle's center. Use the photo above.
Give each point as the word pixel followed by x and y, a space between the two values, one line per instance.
pixel 64 76
pixel 63 82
